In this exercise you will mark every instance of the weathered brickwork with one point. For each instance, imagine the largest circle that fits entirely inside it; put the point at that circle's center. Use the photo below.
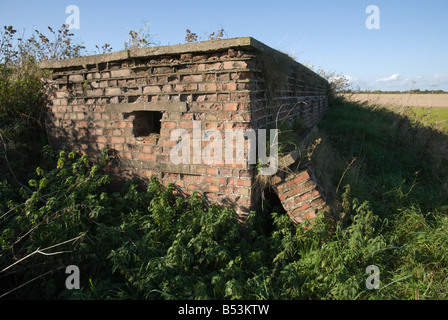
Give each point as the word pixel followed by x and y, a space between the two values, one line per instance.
pixel 300 195
pixel 131 101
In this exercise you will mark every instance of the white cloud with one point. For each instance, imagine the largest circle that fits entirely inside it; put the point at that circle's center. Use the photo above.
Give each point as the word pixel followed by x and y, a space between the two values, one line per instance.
pixel 349 78
pixel 440 76
pixel 393 77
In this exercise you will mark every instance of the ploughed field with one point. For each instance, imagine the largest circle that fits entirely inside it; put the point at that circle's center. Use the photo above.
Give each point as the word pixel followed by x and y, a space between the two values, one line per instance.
pixel 406 99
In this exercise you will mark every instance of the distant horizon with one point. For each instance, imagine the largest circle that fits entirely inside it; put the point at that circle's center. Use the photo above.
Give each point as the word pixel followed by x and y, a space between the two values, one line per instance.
pixel 416 91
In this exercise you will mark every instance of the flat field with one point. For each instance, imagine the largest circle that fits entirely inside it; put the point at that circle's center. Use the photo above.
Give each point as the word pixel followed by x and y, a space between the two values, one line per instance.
pixel 400 99
pixel 427 108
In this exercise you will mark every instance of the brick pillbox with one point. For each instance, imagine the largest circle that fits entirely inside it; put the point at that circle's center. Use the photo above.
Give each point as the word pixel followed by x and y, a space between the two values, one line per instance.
pixel 130 101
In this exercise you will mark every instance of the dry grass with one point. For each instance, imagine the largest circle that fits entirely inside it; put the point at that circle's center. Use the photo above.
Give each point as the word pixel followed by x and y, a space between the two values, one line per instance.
pixel 400 99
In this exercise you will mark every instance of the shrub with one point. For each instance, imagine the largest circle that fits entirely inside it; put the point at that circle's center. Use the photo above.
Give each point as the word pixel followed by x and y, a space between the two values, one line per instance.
pixel 154 244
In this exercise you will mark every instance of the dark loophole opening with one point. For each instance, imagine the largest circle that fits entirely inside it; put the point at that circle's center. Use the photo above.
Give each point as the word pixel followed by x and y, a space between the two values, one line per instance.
pixel 146 123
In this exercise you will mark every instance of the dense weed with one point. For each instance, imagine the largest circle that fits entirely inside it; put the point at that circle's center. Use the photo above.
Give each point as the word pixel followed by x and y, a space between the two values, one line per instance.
pixel 154 244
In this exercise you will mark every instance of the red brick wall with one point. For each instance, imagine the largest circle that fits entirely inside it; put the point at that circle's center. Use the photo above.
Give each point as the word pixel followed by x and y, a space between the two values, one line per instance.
pixel 93 104
pixel 301 197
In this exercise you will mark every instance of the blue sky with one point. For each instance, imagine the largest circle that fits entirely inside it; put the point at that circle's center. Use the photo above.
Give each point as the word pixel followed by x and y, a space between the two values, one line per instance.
pixel 410 50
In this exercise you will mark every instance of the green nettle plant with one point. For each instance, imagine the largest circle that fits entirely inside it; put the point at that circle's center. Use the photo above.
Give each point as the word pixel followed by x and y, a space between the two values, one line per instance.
pixel 154 244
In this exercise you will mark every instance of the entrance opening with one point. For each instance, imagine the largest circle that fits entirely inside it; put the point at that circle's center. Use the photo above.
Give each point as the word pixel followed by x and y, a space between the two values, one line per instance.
pixel 271 203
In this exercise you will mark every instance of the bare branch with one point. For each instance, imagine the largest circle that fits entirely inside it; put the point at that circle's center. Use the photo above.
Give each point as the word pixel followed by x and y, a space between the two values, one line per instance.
pixel 45 253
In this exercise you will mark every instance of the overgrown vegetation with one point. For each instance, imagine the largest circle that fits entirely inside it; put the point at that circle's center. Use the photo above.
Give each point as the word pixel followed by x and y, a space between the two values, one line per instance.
pixel 57 209
pixel 153 244
pixel 139 39
pixel 193 37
